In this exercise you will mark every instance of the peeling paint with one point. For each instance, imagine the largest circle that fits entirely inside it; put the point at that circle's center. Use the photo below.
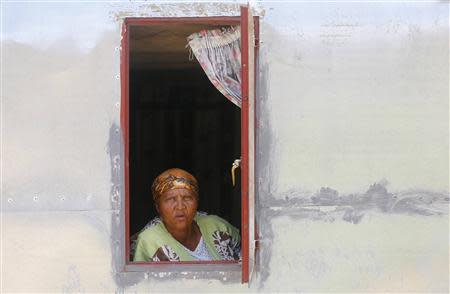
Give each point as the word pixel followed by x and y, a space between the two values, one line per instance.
pixel 176 10
pixel 192 9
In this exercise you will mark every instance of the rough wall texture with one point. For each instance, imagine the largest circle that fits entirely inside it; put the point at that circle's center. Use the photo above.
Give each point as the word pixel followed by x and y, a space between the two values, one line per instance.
pixel 352 148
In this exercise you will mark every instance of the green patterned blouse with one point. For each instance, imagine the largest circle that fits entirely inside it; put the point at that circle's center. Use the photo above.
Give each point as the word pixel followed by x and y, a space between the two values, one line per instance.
pixel 155 243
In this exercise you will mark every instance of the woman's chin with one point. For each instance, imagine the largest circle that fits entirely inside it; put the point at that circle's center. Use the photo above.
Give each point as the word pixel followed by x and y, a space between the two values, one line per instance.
pixel 181 224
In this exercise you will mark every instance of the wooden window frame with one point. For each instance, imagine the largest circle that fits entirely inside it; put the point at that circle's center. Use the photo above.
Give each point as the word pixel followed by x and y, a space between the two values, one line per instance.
pixel 242 265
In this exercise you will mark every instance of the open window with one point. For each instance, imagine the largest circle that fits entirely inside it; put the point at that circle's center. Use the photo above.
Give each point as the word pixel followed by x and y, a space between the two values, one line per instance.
pixel 173 116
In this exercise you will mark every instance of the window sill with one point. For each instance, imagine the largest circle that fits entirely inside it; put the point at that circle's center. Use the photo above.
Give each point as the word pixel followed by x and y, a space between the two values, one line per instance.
pixel 195 266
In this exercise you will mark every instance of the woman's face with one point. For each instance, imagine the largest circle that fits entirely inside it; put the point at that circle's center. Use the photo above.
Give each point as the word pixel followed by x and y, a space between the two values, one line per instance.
pixel 177 209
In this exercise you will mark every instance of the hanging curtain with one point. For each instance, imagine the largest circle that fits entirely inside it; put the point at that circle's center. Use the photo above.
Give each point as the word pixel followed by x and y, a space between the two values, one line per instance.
pixel 219 54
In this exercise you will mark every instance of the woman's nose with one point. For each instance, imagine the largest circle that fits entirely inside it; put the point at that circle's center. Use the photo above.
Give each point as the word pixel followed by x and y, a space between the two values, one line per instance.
pixel 180 203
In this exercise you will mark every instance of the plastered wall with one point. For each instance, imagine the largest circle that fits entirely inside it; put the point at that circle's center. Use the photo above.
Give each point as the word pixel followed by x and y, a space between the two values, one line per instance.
pixel 352 148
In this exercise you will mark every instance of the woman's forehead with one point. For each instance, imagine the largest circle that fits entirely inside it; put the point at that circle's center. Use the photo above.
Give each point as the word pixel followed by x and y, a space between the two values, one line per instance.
pixel 176 192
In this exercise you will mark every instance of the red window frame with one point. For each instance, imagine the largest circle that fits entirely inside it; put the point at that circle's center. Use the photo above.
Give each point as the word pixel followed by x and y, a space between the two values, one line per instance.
pixel 124 122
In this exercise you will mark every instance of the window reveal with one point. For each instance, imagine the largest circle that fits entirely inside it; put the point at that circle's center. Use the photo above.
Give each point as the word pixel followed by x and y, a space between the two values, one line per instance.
pixel 146 110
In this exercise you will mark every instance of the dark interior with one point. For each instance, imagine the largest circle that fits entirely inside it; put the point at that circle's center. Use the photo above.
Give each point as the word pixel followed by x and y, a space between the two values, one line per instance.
pixel 179 119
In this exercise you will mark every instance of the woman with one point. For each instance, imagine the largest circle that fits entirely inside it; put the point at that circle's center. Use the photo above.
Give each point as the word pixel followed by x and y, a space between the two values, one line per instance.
pixel 181 233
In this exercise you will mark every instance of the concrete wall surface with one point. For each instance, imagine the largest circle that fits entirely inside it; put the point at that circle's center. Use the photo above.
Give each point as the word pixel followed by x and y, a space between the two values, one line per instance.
pixel 352 155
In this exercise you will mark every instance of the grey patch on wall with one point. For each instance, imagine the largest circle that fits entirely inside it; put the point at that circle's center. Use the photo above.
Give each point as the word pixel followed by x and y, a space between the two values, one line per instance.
pixel 117 198
pixel 328 205
pixel 353 206
pixel 263 169
pixel 73 284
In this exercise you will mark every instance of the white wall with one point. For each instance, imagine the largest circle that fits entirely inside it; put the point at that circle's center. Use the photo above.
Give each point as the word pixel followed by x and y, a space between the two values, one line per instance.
pixel 352 154
pixel 366 98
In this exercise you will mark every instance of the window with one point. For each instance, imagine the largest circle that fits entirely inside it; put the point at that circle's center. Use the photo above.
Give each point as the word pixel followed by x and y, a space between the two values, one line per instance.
pixel 164 108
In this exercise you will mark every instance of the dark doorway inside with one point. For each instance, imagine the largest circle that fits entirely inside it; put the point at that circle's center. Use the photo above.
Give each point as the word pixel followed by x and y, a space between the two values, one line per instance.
pixel 178 119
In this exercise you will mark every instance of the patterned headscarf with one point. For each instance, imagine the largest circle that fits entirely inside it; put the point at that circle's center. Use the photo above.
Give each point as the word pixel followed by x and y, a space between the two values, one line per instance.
pixel 171 179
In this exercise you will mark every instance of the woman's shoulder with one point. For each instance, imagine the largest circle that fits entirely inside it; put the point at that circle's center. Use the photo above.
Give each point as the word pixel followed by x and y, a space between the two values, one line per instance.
pixel 210 218
pixel 221 235
pixel 152 230
pixel 211 221
pixel 149 239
